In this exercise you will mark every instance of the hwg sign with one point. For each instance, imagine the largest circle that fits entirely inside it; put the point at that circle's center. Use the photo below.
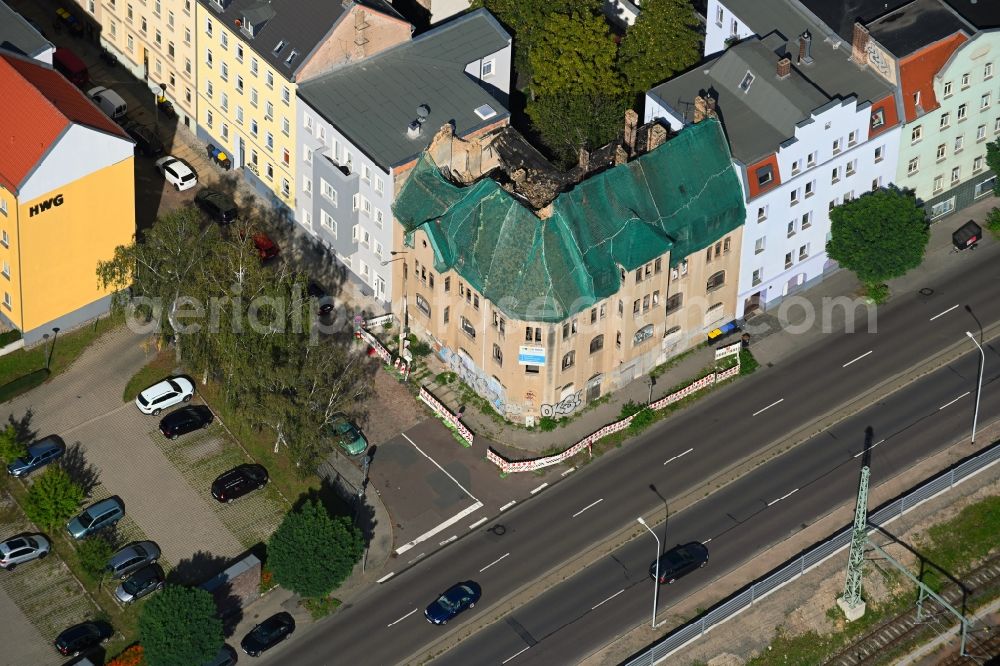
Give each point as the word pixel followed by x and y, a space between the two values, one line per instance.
pixel 43 206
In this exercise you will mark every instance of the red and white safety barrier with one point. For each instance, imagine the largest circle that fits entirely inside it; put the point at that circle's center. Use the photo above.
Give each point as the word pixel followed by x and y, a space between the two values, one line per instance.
pixel 446 415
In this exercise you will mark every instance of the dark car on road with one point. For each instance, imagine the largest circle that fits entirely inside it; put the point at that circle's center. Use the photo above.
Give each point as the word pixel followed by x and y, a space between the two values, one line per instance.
pixel 268 633
pixel 146 141
pixel 239 481
pixel 217 205
pixel 680 561
pixel 82 637
pixel 39 454
pixel 453 601
pixel 323 300
pixel 186 419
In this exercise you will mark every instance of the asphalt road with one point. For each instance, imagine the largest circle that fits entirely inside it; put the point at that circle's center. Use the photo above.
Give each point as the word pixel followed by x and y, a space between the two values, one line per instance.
pixel 570 620
pixel 599 499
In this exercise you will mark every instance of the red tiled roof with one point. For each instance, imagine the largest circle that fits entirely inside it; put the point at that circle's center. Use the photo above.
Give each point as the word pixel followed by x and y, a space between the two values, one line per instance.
pixel 39 103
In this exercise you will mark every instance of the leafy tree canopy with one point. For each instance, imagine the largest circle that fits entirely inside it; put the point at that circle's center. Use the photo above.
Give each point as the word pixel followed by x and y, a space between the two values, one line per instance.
pixel 524 19
pixel 311 553
pixel 880 235
pixel 569 122
pixel 575 54
pixel 180 626
pixel 11 446
pixel 665 40
pixel 53 498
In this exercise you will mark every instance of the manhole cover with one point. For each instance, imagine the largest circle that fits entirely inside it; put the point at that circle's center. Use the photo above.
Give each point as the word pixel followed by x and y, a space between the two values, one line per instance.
pixel 926 291
pixel 499 530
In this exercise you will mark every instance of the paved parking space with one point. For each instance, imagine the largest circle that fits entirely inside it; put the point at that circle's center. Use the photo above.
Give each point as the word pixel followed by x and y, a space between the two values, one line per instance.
pixel 37 600
pixel 435 489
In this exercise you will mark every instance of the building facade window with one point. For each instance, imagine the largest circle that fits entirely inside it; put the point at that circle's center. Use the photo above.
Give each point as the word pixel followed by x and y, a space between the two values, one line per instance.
pixel 568 360
pixel 468 328
pixel 715 281
pixel 597 343
pixel 497 354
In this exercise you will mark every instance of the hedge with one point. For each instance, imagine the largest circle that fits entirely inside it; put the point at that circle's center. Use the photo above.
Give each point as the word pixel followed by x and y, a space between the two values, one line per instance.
pixel 24 383
pixel 9 337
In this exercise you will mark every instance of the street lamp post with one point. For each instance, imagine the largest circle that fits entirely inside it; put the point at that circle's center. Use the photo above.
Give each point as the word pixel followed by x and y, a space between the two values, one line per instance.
pixel 52 347
pixel 656 580
pixel 979 389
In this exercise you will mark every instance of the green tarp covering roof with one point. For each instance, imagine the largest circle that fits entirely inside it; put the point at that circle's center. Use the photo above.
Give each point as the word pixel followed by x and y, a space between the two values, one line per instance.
pixel 681 197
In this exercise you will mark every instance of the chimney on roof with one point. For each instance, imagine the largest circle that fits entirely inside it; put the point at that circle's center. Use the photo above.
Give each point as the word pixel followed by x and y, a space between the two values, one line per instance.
pixel 805 48
pixel 784 68
pixel 416 126
pixel 859 45
pixel 631 124
pixel 621 157
pixel 704 107
pixel 657 135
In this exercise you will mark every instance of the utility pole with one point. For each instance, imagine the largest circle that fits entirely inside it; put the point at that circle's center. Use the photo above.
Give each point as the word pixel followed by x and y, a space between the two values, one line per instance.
pixel 851 602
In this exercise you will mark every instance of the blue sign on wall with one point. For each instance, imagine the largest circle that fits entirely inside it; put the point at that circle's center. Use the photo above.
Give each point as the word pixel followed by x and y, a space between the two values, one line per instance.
pixel 531 356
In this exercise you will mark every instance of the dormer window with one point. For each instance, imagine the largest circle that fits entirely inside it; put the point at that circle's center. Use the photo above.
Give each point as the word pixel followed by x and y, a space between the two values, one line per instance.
pixel 291 58
pixel 746 82
pixel 278 47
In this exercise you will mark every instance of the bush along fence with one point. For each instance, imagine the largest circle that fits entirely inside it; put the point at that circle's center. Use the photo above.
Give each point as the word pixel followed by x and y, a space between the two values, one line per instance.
pixel 450 420
pixel 507 466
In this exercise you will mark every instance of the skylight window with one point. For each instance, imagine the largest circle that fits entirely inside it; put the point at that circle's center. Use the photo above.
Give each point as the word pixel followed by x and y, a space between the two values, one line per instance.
pixel 277 49
pixel 291 57
pixel 485 111
pixel 746 82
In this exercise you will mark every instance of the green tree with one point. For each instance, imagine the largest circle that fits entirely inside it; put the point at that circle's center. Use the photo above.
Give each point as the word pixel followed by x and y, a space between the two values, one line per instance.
pixel 879 236
pixel 94 553
pixel 666 39
pixel 168 265
pixel 524 19
pixel 11 446
pixel 52 498
pixel 311 552
pixel 993 162
pixel 180 626
pixel 575 54
pixel 568 122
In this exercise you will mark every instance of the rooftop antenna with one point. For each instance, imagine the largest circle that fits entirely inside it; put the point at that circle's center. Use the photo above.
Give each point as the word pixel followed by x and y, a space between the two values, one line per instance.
pixel 415 128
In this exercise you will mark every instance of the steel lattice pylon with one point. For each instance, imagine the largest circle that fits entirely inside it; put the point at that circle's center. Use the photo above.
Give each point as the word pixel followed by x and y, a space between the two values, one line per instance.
pixel 859 538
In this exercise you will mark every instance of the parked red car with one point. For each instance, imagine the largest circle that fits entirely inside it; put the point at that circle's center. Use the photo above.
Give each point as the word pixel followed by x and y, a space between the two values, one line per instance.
pixel 266 247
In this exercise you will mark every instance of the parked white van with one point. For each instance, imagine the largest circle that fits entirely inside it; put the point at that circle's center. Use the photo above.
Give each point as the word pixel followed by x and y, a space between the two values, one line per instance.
pixel 110 102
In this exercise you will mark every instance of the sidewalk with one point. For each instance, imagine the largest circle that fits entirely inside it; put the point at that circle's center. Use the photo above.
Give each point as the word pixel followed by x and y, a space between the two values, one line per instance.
pixel 770 343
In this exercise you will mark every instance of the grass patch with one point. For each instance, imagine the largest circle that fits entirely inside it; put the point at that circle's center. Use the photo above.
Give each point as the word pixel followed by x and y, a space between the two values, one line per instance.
pixel 68 347
pixel 161 366
pixel 970 536
pixel 320 607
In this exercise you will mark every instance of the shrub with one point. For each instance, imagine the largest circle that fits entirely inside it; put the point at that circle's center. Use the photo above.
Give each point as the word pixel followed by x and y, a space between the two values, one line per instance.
pixel 879 293
pixel 629 408
pixel 94 553
pixel 22 384
pixel 747 362
pixel 642 419
pixel 993 221
pixel 11 446
pixel 180 625
pixel 15 335
pixel 418 347
pixel 53 498
pixel 130 656
pixel 320 607
pixel 547 423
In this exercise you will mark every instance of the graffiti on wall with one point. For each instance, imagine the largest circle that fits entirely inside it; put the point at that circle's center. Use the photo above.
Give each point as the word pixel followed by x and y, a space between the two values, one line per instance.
pixel 476 379
pixel 565 406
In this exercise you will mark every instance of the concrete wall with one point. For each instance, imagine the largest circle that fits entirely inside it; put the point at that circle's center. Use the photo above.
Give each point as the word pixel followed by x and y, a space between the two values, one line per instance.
pixel 721 24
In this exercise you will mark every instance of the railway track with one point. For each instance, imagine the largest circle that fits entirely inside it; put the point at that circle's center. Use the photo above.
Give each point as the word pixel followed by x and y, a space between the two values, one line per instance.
pixel 904 629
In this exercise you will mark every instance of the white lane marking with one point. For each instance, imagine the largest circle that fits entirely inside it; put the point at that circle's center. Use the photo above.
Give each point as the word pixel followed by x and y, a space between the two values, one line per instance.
pixel 571 469
pixel 386 577
pixel 402 618
pixel 478 523
pixel 954 401
pixel 416 558
pixel 944 313
pixel 872 447
pixel 439 467
pixel 493 562
pixel 514 655
pixel 679 455
pixel 608 599
pixel 707 540
pixel 440 528
pixel 857 359
pixel 783 497
pixel 508 505
pixel 540 488
pixel 587 507
pixel 448 540
pixel 768 407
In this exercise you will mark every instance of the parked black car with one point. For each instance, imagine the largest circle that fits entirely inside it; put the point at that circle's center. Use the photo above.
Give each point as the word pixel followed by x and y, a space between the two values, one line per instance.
pixel 453 601
pixel 268 633
pixel 186 419
pixel 217 205
pixel 324 302
pixel 82 637
pixel 680 561
pixel 39 454
pixel 145 581
pixel 239 481
pixel 146 141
